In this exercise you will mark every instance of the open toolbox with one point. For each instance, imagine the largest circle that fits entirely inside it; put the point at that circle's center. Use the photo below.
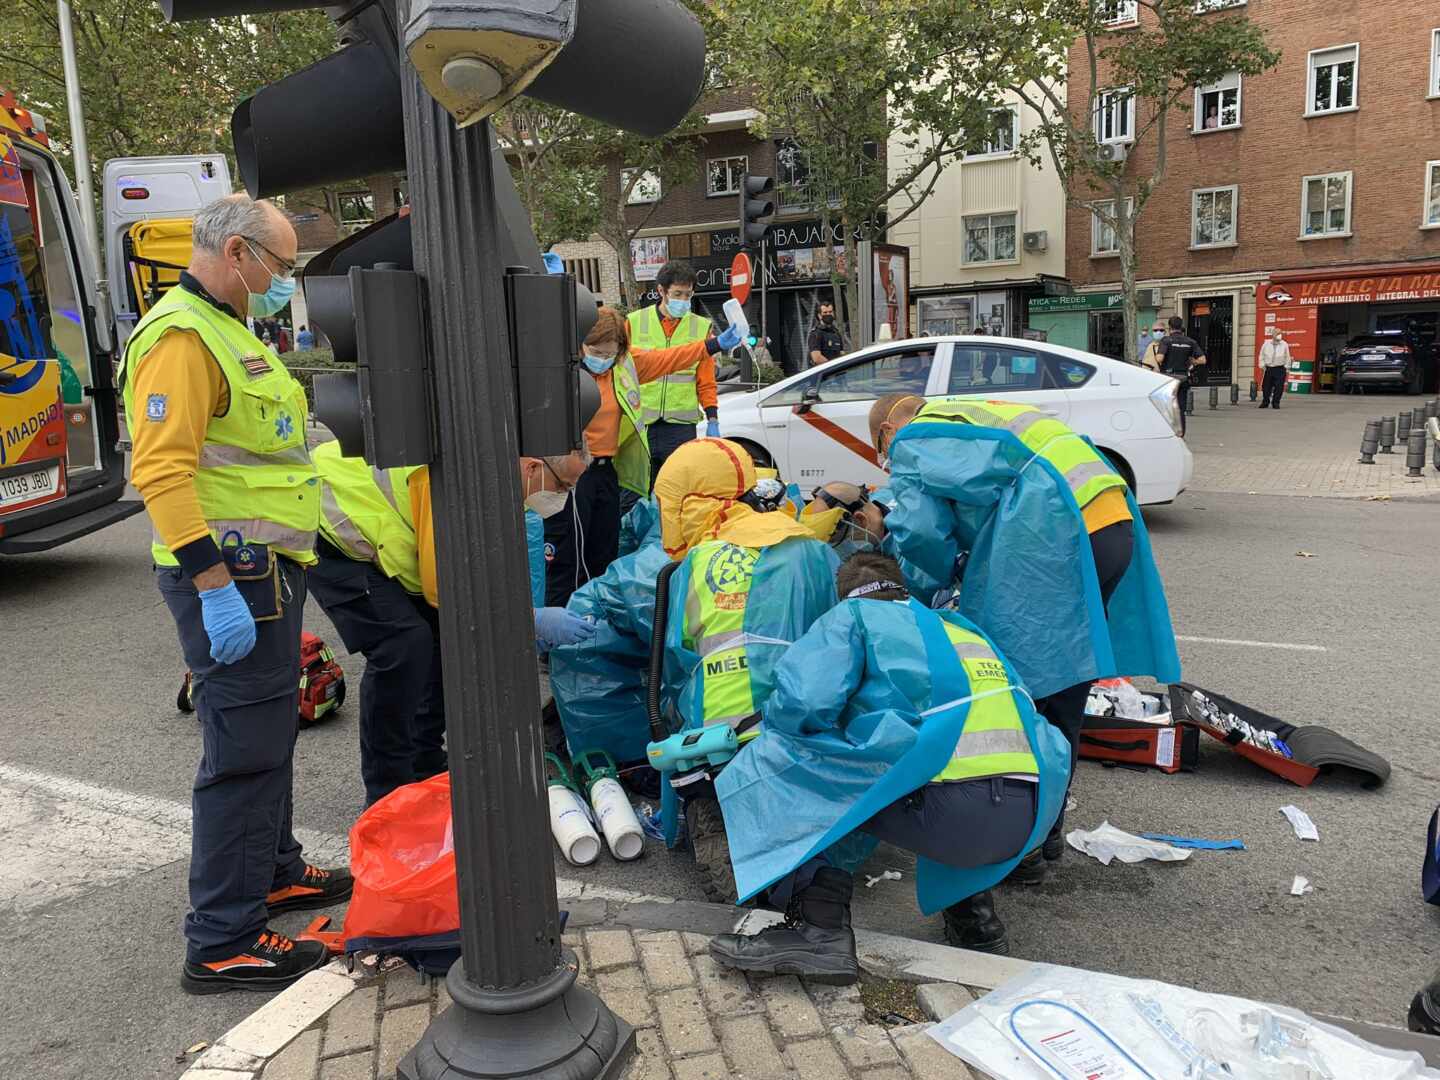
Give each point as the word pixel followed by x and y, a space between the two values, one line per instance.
pixel 1126 726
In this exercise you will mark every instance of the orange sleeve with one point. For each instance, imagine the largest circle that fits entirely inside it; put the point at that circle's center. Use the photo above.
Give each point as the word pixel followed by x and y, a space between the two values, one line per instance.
pixel 653 364
pixel 705 383
pixel 177 388
pixel 424 533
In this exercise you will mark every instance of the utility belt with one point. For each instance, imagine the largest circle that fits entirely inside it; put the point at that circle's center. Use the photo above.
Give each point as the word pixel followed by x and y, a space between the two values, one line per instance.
pixel 916 799
pixel 260 577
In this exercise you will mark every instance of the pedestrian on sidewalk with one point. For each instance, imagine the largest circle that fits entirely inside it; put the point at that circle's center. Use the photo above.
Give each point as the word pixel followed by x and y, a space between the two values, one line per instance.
pixel 1275 361
pixel 219 457
pixel 1180 354
pixel 1150 356
pixel 824 343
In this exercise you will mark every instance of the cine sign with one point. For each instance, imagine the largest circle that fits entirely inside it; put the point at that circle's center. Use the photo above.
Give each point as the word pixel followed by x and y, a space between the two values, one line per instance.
pixel 740 277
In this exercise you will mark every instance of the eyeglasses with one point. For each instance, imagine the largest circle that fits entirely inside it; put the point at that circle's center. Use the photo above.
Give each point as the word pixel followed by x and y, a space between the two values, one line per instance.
pixel 560 485
pixel 286 269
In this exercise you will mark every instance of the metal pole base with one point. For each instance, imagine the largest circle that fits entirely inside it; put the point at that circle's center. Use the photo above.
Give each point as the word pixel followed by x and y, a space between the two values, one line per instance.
pixel 551 1031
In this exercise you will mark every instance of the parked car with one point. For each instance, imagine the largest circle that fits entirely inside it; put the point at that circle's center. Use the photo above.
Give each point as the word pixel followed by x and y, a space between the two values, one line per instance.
pixel 1382 358
pixel 814 426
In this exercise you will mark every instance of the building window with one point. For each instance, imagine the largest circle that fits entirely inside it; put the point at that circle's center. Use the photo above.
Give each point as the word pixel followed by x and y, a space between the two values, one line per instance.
pixel 1435 63
pixel 1103 238
pixel 1325 205
pixel 646 189
pixel 1212 216
pixel 357 210
pixel 1118 12
pixel 1115 116
pixel 1001 142
pixel 1217 106
pixel 723 175
pixel 990 238
pixel 1432 195
pixel 1202 6
pixel 1332 79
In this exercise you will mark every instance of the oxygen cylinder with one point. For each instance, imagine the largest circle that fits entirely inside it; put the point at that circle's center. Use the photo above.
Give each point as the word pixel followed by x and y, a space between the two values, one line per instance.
pixel 569 816
pixel 612 806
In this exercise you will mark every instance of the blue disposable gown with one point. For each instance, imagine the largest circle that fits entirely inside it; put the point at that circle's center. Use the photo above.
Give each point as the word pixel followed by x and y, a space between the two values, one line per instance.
pixel 599 684
pixel 1030 582
pixel 844 737
pixel 535 550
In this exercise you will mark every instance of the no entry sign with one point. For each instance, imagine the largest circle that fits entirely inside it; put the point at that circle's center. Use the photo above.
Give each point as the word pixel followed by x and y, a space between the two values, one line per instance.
pixel 740 276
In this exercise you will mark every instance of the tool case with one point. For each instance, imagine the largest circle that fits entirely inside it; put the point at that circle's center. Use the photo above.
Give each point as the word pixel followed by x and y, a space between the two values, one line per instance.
pixel 1156 741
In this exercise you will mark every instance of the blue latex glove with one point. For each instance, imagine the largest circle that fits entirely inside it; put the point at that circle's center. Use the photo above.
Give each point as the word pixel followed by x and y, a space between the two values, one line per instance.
pixel 553 263
pixel 228 623
pixel 560 626
pixel 728 338
pixel 712 429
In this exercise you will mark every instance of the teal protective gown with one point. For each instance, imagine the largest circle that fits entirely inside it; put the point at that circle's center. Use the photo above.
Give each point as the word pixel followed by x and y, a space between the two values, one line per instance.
pixel 535 549
pixel 599 684
pixel 845 735
pixel 1030 582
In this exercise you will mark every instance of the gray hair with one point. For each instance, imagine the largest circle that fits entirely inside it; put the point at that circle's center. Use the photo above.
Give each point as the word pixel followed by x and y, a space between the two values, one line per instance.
pixel 234 215
pixel 586 458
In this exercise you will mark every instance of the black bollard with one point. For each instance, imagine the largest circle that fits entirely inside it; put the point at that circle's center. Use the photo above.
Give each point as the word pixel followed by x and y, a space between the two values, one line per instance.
pixel 1432 408
pixel 1415 453
pixel 1235 393
pixel 1214 397
pixel 1435 455
pixel 1402 428
pixel 1254 393
pixel 1387 434
pixel 1369 441
pixel 1417 419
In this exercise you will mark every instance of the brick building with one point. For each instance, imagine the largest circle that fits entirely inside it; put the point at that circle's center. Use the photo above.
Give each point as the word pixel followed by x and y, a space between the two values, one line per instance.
pixel 1307 197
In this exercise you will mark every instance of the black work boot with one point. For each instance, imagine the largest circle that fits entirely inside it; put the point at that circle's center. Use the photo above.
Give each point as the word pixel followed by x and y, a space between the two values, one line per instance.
pixel 815 940
pixel 1425 1009
pixel 1054 846
pixel 272 963
pixel 973 924
pixel 1030 870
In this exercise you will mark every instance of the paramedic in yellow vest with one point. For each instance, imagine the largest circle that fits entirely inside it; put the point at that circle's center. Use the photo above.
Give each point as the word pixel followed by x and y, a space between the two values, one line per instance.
pixel 584 539
pixel 218 428
pixel 375 577
pixel 682 399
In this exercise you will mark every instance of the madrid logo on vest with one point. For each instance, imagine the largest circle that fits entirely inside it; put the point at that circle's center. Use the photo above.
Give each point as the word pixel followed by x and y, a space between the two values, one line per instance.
pixel 728 574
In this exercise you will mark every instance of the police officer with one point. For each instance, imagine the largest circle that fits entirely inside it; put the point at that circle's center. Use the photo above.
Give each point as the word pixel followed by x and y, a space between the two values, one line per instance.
pixel 1180 355
pixel 825 341
pixel 218 427
pixel 682 399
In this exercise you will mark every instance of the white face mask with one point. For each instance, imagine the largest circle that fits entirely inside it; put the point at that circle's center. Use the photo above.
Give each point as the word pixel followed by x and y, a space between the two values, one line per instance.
pixel 546 503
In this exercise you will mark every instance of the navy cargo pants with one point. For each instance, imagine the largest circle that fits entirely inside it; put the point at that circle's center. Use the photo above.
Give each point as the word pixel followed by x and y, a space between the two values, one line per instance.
pixel 241 843
pixel 402 699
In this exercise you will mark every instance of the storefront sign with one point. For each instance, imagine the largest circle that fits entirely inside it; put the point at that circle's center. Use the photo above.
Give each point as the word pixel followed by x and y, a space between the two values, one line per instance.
pixel 649 254
pixel 1077 302
pixel 1375 289
pixel 1300 326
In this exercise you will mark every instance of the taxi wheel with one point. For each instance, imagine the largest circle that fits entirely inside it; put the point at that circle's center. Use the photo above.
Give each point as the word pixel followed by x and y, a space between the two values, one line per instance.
pixel 711 849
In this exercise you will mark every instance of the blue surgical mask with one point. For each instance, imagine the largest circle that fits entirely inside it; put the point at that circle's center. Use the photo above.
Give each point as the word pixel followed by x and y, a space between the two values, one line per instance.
pixel 1157 334
pixel 678 309
pixel 272 299
pixel 597 365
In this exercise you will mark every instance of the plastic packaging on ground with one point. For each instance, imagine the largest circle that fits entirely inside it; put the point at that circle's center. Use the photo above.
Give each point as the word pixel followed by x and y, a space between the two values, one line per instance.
pixel 1118 697
pixel 1054 1022
pixel 1107 843
pixel 1216 717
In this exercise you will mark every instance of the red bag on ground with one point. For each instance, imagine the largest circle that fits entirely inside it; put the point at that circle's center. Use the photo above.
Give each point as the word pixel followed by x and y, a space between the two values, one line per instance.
pixel 402 856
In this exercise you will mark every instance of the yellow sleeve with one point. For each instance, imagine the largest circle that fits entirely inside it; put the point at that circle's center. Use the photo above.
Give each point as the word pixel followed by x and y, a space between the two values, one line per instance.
pixel 178 387
pixel 424 532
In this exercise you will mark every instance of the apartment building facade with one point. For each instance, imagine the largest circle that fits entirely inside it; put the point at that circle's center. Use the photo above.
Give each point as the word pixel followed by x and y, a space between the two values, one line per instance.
pixel 1307 197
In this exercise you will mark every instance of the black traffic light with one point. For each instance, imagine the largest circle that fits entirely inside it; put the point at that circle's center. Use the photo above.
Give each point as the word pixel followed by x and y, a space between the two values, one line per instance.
pixel 757 209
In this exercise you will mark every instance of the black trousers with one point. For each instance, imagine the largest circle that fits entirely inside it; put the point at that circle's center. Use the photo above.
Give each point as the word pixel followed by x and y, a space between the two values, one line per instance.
pixel 1183 397
pixel 1113 547
pixel 665 438
pixel 402 696
pixel 1272 387
pixel 583 539
pixel 241 841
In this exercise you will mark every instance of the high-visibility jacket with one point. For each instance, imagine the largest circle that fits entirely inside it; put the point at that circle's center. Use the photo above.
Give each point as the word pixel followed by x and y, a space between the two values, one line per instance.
pixel 672 398
pixel 719 589
pixel 993 741
pixel 632 458
pixel 366 513
pixel 255 477
pixel 1085 470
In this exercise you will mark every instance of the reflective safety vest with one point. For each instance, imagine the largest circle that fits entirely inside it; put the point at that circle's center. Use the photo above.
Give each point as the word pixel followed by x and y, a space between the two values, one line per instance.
pixel 672 397
pixel 366 513
pixel 993 741
pixel 720 578
pixel 1084 468
pixel 255 476
pixel 632 458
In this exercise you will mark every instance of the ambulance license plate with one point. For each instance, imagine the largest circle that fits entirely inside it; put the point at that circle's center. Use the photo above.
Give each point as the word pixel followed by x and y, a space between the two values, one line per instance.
pixel 28 487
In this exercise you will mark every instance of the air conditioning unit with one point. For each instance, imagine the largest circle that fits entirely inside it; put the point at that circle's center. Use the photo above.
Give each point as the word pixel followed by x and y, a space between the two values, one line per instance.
pixel 1149 298
pixel 1039 240
pixel 1114 151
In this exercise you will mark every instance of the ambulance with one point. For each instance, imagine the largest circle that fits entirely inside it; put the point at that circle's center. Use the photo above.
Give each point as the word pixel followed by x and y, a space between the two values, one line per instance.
pixel 62 461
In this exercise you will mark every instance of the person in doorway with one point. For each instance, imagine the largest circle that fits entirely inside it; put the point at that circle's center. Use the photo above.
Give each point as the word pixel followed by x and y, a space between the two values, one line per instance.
pixel 682 399
pixel 1150 355
pixel 304 339
pixel 877 693
pixel 1274 362
pixel 219 457
pixel 1029 528
pixel 1180 354
pixel 582 541
pixel 825 342
pixel 283 339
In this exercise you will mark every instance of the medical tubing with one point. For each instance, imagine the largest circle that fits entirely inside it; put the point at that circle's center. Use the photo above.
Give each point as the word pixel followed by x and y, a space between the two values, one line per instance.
pixel 658 733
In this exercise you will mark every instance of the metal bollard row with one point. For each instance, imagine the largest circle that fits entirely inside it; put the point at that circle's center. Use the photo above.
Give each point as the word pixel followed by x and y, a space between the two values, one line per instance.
pixel 1415 453
pixel 1402 427
pixel 1387 434
pixel 1214 397
pixel 1235 393
pixel 1369 442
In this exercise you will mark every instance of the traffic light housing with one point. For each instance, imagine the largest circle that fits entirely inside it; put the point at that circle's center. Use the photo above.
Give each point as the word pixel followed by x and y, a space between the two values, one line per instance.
pixel 757 208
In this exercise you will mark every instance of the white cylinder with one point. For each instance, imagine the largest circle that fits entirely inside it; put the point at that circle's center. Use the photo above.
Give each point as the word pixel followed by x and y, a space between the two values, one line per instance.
pixel 735 314
pixel 617 819
pixel 570 825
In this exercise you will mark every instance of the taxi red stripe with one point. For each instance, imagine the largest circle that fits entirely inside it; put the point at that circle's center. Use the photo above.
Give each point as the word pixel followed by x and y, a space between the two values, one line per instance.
pixel 832 430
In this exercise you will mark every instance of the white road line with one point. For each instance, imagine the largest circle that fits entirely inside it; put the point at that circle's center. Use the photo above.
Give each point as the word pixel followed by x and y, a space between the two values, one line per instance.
pixel 1253 644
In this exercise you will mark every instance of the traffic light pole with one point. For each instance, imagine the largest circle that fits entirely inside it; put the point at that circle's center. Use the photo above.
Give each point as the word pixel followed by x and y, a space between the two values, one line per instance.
pixel 518 1012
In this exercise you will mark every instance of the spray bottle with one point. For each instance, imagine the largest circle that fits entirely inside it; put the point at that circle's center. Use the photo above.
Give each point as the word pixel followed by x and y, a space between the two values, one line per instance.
pixel 569 816
pixel 612 806
pixel 735 316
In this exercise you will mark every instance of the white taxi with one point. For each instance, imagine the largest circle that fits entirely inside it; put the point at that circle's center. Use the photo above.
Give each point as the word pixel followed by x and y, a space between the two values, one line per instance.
pixel 814 427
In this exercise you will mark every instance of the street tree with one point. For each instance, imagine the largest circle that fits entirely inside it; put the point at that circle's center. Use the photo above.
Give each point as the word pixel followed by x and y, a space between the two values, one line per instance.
pixel 556 172
pixel 1138 80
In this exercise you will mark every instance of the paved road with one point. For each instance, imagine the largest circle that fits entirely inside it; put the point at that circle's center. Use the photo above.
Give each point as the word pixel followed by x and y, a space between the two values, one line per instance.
pixel 95 767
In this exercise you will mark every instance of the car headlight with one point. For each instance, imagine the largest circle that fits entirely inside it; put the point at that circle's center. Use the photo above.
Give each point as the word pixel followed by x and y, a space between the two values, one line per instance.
pixel 1166 401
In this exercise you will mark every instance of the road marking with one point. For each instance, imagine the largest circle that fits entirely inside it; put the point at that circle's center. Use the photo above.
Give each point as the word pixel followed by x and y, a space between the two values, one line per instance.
pixel 61 837
pixel 1253 644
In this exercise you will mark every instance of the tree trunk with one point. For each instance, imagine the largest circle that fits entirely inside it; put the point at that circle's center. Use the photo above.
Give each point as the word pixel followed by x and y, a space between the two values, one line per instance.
pixel 1125 234
pixel 852 285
